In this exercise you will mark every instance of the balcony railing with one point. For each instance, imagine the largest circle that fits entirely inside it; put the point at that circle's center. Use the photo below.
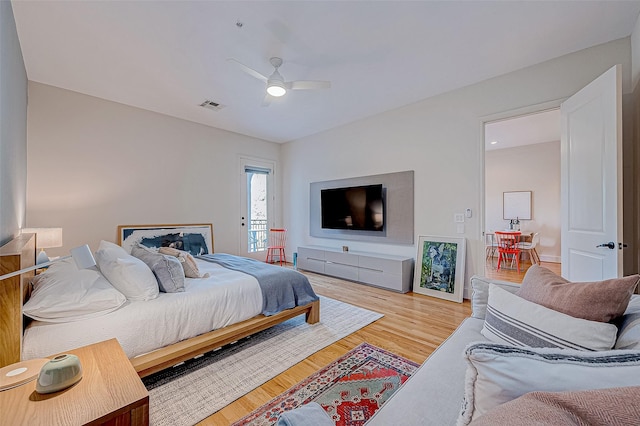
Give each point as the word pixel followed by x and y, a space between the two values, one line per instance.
pixel 258 234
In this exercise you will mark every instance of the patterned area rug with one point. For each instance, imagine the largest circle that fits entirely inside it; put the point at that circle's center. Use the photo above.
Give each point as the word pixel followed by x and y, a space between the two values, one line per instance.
pixel 185 394
pixel 351 389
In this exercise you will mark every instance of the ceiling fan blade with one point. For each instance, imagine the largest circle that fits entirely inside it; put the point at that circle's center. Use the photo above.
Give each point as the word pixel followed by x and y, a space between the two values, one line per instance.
pixel 248 70
pixel 307 85
pixel 267 100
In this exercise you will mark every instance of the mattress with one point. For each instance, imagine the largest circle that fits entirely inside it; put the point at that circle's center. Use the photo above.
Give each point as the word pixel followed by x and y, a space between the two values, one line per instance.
pixel 224 298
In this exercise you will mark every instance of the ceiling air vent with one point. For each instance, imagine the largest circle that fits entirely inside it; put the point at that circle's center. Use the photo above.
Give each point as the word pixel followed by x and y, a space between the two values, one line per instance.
pixel 212 105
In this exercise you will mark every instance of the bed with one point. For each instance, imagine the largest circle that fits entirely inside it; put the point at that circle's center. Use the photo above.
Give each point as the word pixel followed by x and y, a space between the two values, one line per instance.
pixel 219 308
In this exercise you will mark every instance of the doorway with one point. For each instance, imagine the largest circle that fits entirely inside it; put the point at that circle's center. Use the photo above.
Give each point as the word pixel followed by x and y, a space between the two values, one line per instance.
pixel 522 156
pixel 256 210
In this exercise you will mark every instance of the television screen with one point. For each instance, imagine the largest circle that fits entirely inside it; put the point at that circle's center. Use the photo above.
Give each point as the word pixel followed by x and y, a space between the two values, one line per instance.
pixel 358 208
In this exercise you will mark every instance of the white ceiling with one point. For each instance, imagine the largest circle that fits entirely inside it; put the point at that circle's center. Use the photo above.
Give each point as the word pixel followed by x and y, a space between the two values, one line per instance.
pixel 525 130
pixel 169 56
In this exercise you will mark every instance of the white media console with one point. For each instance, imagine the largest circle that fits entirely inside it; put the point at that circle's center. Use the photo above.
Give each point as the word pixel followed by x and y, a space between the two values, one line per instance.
pixel 381 270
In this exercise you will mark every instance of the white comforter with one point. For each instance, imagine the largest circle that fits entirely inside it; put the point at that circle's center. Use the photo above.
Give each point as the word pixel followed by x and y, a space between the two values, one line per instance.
pixel 225 298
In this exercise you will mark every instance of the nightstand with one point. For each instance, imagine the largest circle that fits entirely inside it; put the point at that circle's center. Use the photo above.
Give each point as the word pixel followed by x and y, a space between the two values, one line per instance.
pixel 110 392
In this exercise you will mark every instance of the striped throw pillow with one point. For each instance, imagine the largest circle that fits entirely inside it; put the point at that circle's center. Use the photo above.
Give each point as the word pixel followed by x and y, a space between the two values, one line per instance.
pixel 515 321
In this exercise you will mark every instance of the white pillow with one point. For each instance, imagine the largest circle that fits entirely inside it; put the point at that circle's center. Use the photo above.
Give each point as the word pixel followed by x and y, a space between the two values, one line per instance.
pixel 500 373
pixel 125 272
pixel 63 293
pixel 480 293
pixel 629 326
pixel 513 320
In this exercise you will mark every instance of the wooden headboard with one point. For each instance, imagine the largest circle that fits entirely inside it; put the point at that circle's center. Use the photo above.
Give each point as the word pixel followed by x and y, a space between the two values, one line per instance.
pixel 17 254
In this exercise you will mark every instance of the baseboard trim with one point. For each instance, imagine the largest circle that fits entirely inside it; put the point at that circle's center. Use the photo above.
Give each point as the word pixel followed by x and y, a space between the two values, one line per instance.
pixel 547 258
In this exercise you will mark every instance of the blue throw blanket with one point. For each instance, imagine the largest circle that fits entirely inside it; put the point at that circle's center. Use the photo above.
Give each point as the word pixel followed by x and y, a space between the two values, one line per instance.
pixel 282 288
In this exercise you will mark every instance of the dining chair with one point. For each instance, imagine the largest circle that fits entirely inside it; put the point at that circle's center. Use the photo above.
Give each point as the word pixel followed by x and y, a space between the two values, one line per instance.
pixel 508 245
pixel 530 248
pixel 275 246
pixel 490 246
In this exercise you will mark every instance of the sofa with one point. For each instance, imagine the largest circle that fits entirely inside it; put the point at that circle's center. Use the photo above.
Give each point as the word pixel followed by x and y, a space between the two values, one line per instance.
pixel 472 378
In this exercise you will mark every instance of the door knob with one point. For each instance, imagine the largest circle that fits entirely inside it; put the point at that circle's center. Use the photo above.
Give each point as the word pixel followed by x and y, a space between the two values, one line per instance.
pixel 610 245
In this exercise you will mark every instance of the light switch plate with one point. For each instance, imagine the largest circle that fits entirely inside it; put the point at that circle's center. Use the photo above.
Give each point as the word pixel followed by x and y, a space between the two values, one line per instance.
pixel 460 228
pixel 458 218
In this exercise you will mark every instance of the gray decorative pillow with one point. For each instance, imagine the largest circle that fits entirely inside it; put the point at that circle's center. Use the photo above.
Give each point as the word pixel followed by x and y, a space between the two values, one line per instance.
pixel 167 269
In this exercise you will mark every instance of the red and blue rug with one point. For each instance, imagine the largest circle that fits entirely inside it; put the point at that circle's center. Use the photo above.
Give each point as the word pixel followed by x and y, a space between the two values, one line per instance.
pixel 350 389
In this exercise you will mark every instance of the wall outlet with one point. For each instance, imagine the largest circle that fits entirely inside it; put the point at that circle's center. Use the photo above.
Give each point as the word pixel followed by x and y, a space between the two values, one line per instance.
pixel 458 218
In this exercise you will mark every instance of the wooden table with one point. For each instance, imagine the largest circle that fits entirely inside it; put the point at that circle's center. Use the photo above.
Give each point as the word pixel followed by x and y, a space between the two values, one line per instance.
pixel 110 392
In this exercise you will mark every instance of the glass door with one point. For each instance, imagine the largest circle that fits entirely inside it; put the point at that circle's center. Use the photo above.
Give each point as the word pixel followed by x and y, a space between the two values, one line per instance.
pixel 257 206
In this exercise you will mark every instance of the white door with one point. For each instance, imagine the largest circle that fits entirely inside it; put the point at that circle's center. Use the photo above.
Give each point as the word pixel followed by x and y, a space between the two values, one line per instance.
pixel 256 207
pixel 591 180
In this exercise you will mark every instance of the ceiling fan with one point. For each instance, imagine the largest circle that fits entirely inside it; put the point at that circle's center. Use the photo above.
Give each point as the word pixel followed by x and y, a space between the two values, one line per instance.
pixel 275 84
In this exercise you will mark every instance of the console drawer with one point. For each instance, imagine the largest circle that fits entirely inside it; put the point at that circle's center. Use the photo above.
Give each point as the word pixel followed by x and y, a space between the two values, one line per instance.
pixel 380 264
pixel 339 270
pixel 381 279
pixel 343 258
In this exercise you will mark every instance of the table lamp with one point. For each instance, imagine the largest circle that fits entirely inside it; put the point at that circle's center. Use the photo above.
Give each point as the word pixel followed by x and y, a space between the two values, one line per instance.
pixel 45 238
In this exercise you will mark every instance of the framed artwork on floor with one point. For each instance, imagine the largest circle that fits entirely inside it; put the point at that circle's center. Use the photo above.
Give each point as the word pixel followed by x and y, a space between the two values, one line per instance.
pixel 440 267
pixel 197 239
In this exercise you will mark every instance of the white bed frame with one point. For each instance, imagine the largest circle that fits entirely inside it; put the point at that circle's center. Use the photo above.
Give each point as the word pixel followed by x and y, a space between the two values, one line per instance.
pixel 20 253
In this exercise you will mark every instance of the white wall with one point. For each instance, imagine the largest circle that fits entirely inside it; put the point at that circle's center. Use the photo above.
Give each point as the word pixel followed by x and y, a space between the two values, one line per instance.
pixel 439 138
pixel 13 128
pixel 95 164
pixel 533 168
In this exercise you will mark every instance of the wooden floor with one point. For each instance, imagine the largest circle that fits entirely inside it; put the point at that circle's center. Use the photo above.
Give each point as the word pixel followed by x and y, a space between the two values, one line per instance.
pixel 512 275
pixel 413 326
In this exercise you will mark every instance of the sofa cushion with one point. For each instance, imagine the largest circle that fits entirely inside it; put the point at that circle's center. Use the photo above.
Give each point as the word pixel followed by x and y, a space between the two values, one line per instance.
pixel 500 373
pixel 629 326
pixel 515 321
pixel 432 396
pixel 609 407
pixel 480 294
pixel 595 301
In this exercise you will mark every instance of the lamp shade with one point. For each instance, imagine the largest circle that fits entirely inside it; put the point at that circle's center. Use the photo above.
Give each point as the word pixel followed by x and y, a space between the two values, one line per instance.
pixel 46 237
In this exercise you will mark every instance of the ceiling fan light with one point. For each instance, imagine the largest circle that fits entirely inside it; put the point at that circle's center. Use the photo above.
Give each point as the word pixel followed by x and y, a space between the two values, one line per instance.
pixel 276 89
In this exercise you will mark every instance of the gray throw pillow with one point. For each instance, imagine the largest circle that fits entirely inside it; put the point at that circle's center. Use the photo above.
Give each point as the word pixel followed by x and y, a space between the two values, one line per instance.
pixel 167 269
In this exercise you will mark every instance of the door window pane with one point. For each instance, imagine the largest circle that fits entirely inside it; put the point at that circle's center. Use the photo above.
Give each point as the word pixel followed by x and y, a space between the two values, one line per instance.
pixel 257 211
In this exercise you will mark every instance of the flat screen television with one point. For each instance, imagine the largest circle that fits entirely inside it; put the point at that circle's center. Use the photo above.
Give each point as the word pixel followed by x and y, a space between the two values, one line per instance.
pixel 358 208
